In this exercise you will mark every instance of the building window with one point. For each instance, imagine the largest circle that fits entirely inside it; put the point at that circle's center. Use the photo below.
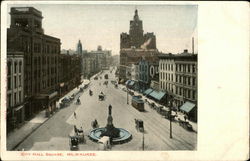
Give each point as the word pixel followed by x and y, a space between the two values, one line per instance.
pixel 194 69
pixel 194 81
pixel 194 95
pixel 15 67
pixel 9 68
pixel 20 80
pixel 20 96
pixel 20 67
pixel 9 100
pixel 15 82
pixel 9 83
pixel 15 98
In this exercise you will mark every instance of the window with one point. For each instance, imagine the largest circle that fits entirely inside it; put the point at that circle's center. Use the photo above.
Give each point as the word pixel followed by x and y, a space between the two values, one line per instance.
pixel 20 96
pixel 194 81
pixel 194 95
pixel 20 67
pixel 194 69
pixel 20 80
pixel 15 69
pixel 9 83
pixel 9 100
pixel 9 68
pixel 15 98
pixel 15 82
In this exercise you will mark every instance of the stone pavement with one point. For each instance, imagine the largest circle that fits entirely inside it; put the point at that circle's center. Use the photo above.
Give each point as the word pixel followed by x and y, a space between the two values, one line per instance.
pixel 17 136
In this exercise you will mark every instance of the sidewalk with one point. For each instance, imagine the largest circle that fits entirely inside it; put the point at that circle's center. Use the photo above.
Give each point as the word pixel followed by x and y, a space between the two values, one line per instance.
pixel 17 136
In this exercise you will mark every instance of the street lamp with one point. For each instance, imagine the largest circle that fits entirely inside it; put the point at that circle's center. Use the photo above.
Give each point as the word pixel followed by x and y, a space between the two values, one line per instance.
pixel 143 141
pixel 127 94
pixel 170 117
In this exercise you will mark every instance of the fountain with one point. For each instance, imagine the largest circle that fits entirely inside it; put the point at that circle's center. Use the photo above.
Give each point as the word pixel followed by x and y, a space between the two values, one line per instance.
pixel 117 135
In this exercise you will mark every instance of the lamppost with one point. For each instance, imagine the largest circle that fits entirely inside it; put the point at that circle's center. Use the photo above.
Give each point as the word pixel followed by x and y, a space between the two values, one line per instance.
pixel 143 141
pixel 170 117
pixel 127 94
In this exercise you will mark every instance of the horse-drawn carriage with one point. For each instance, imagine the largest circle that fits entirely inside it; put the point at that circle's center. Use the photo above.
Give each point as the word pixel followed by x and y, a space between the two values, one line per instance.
pixel 73 143
pixel 139 125
pixel 185 124
pixel 101 97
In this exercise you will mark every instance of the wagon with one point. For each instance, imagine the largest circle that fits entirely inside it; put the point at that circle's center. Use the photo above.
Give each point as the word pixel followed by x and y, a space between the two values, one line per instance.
pixel 185 124
pixel 73 143
pixel 101 97
pixel 139 125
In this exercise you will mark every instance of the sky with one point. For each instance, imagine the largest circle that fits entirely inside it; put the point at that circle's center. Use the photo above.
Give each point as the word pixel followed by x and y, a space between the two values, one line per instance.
pixel 99 24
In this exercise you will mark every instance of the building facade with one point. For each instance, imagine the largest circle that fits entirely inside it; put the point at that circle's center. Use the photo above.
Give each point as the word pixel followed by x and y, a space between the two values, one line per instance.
pixel 41 52
pixel 148 71
pixel 178 77
pixel 132 56
pixel 70 72
pixel 15 90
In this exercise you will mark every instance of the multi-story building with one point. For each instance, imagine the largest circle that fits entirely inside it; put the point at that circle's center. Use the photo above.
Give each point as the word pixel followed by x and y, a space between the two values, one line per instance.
pixel 70 72
pixel 132 56
pixel 178 77
pixel 15 97
pixel 148 70
pixel 41 77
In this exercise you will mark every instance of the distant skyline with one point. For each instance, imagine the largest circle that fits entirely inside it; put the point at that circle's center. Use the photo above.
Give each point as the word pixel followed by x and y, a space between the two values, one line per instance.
pixel 95 24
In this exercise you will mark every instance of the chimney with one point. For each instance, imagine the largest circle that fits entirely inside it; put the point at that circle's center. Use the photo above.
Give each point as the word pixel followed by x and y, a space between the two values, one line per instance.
pixel 192 45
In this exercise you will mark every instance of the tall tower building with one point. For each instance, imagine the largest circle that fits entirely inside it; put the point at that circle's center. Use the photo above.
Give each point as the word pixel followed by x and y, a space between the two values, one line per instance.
pixel 136 31
pixel 136 38
pixel 79 47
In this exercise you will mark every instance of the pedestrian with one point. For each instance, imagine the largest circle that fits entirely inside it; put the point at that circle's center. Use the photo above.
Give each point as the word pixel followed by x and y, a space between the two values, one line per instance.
pixel 185 117
pixel 75 114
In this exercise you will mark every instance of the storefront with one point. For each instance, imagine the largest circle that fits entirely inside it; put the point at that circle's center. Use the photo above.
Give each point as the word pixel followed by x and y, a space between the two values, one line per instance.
pixel 190 109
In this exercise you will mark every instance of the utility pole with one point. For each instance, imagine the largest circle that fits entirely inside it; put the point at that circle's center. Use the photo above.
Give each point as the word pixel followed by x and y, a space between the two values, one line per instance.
pixel 170 118
pixel 127 94
pixel 143 141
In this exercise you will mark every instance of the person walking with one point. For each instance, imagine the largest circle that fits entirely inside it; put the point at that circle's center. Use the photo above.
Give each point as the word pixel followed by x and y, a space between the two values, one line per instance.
pixel 75 115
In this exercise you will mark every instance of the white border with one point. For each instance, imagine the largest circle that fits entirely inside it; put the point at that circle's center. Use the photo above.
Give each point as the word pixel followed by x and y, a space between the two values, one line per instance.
pixel 223 103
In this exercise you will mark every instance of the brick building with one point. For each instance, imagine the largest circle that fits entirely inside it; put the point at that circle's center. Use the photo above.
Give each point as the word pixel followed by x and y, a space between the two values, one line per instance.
pixel 70 72
pixel 178 77
pixel 41 65
pixel 15 87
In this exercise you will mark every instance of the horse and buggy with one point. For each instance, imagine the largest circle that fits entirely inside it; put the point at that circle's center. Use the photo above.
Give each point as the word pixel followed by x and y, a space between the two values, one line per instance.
pixel 139 125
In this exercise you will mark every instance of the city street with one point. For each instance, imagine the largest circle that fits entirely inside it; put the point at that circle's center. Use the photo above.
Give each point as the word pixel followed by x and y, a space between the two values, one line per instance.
pixel 54 133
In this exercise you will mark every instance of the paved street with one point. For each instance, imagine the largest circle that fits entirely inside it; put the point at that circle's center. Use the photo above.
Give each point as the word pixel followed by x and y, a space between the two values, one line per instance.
pixel 53 134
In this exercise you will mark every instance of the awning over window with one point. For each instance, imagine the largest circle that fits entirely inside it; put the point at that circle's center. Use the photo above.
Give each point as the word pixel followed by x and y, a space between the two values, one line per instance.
pixel 157 95
pixel 148 91
pixel 187 107
pixel 131 83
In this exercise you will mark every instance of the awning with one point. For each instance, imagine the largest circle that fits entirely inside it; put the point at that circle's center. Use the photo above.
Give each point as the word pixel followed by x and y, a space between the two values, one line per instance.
pixel 127 82
pixel 157 95
pixel 148 91
pixel 187 107
pixel 131 83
